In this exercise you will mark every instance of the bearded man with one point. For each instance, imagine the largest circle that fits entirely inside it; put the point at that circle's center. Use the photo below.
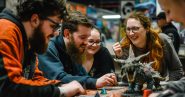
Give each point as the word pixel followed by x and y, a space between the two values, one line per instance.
pixel 23 35
pixel 62 61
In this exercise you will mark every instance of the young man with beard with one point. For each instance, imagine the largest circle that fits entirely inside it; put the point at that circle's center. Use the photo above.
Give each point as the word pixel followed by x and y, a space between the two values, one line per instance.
pixel 64 53
pixel 174 12
pixel 23 34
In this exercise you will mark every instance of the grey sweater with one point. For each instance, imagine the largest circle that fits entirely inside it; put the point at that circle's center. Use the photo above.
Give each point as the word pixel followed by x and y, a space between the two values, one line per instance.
pixel 170 66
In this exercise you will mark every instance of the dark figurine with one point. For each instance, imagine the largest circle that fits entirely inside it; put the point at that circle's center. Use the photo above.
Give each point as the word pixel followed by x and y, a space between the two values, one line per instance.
pixel 138 73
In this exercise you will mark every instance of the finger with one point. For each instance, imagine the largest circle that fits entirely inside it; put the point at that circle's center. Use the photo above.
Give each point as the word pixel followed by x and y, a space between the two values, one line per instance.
pixel 114 78
pixel 109 74
pixel 79 86
pixel 110 81
pixel 117 43
pixel 117 46
pixel 107 83
pixel 82 90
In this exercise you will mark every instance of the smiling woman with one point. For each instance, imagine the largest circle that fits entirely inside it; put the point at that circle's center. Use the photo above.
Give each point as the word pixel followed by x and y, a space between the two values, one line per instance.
pixel 142 38
pixel 97 60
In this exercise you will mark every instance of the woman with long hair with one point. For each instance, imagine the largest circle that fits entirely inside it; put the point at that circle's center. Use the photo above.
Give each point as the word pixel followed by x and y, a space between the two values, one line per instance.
pixel 143 39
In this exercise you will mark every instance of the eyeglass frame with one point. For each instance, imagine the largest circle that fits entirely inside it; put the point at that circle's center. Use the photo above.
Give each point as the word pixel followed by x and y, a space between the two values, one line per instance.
pixel 136 29
pixel 57 25
pixel 95 42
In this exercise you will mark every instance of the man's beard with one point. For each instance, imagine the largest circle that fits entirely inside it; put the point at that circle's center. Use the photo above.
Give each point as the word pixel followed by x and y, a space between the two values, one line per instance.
pixel 74 52
pixel 38 42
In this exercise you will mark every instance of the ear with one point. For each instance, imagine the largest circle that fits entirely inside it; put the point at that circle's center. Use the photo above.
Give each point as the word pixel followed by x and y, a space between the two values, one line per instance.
pixel 35 21
pixel 67 33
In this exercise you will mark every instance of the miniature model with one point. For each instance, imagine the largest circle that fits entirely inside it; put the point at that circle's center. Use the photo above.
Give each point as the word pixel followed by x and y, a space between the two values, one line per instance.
pixel 138 73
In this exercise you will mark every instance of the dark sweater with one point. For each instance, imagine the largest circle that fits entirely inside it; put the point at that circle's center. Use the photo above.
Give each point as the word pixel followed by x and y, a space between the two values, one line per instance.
pixel 103 63
pixel 57 64
pixel 172 32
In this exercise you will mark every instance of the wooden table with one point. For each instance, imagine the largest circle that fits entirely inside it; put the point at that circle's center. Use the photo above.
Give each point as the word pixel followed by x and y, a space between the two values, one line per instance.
pixel 114 91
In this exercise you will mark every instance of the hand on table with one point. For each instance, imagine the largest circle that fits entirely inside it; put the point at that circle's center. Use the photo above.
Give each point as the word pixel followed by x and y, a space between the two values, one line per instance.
pixel 72 89
pixel 107 79
pixel 117 49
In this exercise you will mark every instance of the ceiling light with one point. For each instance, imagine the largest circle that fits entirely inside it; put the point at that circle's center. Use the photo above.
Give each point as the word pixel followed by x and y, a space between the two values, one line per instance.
pixel 111 16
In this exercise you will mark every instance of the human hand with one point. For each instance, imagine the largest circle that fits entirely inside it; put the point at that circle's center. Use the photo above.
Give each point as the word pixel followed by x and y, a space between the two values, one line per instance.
pixel 107 79
pixel 117 49
pixel 71 89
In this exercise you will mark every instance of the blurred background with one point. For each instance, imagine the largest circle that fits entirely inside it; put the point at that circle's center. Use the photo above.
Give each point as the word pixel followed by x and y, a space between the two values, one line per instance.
pixel 109 15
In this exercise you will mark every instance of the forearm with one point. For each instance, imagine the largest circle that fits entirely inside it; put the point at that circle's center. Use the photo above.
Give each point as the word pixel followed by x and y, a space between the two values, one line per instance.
pixel 19 90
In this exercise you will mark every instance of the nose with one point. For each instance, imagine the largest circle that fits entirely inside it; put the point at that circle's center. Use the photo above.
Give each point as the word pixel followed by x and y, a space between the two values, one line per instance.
pixel 131 32
pixel 85 42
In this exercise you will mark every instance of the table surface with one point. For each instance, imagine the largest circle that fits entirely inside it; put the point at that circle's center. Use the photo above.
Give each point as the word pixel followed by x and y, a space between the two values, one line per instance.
pixel 112 91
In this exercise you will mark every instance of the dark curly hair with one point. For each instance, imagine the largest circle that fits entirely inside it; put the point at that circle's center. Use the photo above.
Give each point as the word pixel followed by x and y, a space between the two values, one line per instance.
pixel 43 8
pixel 74 19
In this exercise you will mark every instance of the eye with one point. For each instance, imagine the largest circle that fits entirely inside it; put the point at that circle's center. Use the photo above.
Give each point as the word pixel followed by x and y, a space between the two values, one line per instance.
pixel 53 27
pixel 135 28
pixel 128 29
pixel 83 37
pixel 91 41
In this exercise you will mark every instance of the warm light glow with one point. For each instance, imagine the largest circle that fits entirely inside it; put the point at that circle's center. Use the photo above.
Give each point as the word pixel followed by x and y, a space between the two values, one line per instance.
pixel 111 16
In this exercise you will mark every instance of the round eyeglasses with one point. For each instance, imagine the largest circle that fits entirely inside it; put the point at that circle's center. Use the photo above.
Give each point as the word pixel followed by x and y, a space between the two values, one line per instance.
pixel 94 42
pixel 134 29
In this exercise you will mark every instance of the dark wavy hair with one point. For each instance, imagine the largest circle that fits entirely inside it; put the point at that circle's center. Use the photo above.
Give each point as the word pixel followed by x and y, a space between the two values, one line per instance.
pixel 43 8
pixel 154 44
pixel 74 19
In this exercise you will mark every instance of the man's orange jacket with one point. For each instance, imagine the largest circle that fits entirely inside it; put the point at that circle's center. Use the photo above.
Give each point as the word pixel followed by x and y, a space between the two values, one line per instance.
pixel 19 73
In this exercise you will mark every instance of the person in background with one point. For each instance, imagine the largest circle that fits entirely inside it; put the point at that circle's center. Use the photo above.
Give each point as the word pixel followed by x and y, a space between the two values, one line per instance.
pixel 174 12
pixel 169 29
pixel 23 35
pixel 97 60
pixel 63 58
pixel 143 39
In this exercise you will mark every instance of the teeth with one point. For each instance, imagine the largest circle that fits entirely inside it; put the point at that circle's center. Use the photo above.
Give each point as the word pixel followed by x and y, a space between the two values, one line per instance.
pixel 134 37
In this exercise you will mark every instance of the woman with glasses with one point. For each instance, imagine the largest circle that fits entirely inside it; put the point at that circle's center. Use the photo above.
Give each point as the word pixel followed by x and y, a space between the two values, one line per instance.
pixel 97 60
pixel 143 39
